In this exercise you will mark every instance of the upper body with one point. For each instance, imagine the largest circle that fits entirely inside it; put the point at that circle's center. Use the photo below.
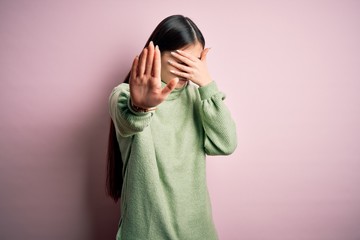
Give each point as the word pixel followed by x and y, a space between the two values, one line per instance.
pixel 164 190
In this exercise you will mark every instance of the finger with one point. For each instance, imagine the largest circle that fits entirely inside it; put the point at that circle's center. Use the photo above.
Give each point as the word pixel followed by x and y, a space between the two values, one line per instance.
pixel 181 67
pixel 204 53
pixel 142 62
pixel 157 63
pixel 187 55
pixel 185 59
pixel 134 68
pixel 169 87
pixel 181 74
pixel 150 58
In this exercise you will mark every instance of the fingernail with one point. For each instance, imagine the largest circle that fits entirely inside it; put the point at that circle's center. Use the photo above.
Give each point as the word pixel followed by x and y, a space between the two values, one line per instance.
pixel 151 43
pixel 172 53
pixel 169 61
pixel 178 51
pixel 156 47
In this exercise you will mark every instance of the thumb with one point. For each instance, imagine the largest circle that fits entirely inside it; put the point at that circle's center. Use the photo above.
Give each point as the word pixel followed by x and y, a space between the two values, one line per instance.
pixel 169 87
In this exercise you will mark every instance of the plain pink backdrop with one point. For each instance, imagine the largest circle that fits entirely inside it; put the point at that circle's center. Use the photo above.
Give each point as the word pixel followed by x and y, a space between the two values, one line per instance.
pixel 290 70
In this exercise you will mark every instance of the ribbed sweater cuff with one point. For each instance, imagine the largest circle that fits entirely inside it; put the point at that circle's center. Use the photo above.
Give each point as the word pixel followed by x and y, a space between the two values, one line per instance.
pixel 208 90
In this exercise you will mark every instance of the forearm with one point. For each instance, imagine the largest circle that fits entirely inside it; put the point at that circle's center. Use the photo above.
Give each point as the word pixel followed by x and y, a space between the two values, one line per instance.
pixel 219 127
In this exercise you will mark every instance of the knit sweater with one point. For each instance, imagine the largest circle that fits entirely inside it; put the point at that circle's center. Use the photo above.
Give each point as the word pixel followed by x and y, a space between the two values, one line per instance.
pixel 164 195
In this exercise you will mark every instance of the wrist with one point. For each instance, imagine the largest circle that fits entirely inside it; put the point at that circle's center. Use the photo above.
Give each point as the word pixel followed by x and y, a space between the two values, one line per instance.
pixel 203 84
pixel 136 108
pixel 208 91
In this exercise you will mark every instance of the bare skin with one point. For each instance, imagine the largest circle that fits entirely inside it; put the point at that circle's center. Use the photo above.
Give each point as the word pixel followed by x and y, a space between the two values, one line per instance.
pixel 174 68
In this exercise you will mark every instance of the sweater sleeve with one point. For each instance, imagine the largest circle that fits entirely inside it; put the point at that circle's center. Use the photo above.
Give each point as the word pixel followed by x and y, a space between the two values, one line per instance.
pixel 127 122
pixel 219 127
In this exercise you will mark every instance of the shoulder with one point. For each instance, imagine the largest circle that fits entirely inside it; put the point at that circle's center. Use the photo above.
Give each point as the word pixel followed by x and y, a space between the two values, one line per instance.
pixel 119 92
pixel 122 87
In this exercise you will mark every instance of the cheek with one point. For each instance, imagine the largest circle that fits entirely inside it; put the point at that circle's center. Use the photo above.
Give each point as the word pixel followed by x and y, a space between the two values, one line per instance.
pixel 166 75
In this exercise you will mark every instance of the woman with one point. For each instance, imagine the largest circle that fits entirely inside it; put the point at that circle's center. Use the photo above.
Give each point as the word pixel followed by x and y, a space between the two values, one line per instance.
pixel 166 117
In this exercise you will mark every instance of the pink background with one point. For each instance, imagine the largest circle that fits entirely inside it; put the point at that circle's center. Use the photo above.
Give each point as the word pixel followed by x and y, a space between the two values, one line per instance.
pixel 291 74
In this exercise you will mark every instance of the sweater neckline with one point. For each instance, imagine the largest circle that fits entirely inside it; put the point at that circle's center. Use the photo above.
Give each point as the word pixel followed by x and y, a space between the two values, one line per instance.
pixel 176 92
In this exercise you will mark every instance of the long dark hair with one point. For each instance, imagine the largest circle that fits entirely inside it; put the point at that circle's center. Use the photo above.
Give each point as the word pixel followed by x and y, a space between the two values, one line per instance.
pixel 174 32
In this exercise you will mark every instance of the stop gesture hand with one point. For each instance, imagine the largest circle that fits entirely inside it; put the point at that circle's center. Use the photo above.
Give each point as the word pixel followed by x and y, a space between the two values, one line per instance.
pixel 145 79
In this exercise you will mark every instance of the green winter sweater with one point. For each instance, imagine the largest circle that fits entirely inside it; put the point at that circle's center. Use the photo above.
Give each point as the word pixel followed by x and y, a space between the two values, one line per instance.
pixel 164 195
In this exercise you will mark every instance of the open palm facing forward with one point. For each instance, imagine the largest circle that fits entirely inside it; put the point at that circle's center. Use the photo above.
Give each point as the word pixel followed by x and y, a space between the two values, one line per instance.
pixel 145 79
